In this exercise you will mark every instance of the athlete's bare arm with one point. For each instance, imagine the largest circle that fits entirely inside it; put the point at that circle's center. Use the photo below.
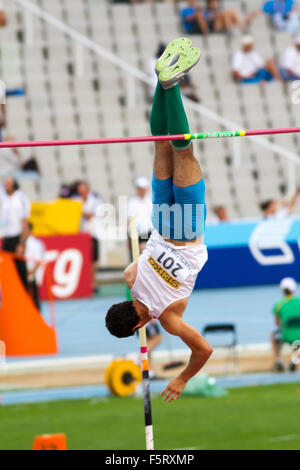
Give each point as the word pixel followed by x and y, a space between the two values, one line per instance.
pixel 173 323
pixel 130 274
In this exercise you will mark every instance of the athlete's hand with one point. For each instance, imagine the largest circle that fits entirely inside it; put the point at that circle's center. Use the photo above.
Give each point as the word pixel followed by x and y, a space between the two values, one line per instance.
pixel 174 389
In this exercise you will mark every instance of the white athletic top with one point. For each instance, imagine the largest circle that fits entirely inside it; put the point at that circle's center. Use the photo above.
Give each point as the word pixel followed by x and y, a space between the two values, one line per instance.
pixel 15 208
pixel 34 252
pixel 247 63
pixel 166 273
pixel 291 60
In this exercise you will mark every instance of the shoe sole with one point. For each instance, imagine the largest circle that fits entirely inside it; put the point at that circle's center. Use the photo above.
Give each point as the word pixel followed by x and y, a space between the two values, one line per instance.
pixel 172 49
pixel 186 61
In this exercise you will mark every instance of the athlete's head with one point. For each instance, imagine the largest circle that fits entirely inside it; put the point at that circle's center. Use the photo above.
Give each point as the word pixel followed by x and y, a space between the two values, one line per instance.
pixel 121 319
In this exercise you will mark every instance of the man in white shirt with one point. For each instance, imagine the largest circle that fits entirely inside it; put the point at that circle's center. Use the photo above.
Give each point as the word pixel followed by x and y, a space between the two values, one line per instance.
pixel 140 207
pixel 249 67
pixel 34 253
pixel 291 61
pixel 273 209
pixel 91 204
pixel 15 212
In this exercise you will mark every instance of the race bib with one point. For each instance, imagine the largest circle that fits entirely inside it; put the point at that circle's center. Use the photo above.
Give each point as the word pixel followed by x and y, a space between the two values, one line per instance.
pixel 172 262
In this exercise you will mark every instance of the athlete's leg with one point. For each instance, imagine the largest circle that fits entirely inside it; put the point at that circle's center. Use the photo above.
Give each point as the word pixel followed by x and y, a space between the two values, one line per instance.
pixel 162 182
pixel 188 183
pixel 186 169
pixel 163 157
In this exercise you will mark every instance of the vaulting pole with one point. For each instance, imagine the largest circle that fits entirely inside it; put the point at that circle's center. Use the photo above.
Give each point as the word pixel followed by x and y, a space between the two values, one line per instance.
pixel 134 239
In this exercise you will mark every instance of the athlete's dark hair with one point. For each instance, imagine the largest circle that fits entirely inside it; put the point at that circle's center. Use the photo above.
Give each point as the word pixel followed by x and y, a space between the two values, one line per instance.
pixel 121 318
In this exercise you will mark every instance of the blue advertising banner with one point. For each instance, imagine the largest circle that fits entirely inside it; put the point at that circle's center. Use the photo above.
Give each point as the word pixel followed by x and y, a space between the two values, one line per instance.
pixel 251 253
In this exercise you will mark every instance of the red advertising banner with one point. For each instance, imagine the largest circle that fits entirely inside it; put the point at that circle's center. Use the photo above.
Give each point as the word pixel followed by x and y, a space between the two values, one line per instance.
pixel 69 263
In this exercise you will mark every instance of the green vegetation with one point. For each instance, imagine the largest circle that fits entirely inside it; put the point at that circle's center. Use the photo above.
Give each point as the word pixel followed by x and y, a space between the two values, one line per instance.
pixel 248 418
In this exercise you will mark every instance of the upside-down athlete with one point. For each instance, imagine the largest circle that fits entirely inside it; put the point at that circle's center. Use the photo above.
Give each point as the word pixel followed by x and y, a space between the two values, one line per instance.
pixel 163 278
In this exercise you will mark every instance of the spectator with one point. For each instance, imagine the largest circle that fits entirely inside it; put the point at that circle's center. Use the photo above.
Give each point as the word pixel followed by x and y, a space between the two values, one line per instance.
pixel 34 253
pixel 64 191
pixel 192 18
pixel 282 12
pixel 291 61
pixel 285 309
pixel 211 18
pixel 15 212
pixel 218 20
pixel 91 203
pixel 69 191
pixel 249 67
pixel 220 215
pixel 140 207
pixel 280 209
pixel 3 19
pixel 11 164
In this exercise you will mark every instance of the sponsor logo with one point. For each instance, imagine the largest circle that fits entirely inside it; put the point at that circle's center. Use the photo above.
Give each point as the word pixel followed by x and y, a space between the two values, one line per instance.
pixel 163 273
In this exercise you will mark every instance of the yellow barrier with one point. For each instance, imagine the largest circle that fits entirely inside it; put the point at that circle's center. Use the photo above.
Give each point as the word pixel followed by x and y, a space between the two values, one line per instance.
pixel 60 217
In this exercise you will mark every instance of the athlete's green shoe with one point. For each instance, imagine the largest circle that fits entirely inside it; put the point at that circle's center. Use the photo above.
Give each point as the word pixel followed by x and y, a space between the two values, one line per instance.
pixel 181 63
pixel 171 51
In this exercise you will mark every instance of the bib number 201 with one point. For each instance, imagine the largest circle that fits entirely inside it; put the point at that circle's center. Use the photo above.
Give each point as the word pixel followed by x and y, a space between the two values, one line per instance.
pixel 168 264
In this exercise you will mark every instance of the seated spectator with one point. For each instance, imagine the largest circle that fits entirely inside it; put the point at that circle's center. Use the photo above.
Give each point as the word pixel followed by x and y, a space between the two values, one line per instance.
pixel 285 309
pixel 192 18
pixel 3 19
pixel 68 191
pixel 291 61
pixel 218 20
pixel 249 67
pixel 11 164
pixel 283 14
pixel 273 209
pixel 220 215
pixel 210 19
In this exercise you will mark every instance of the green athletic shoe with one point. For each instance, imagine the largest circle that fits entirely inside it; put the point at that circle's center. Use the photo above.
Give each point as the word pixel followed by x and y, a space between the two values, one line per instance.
pixel 171 51
pixel 181 63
